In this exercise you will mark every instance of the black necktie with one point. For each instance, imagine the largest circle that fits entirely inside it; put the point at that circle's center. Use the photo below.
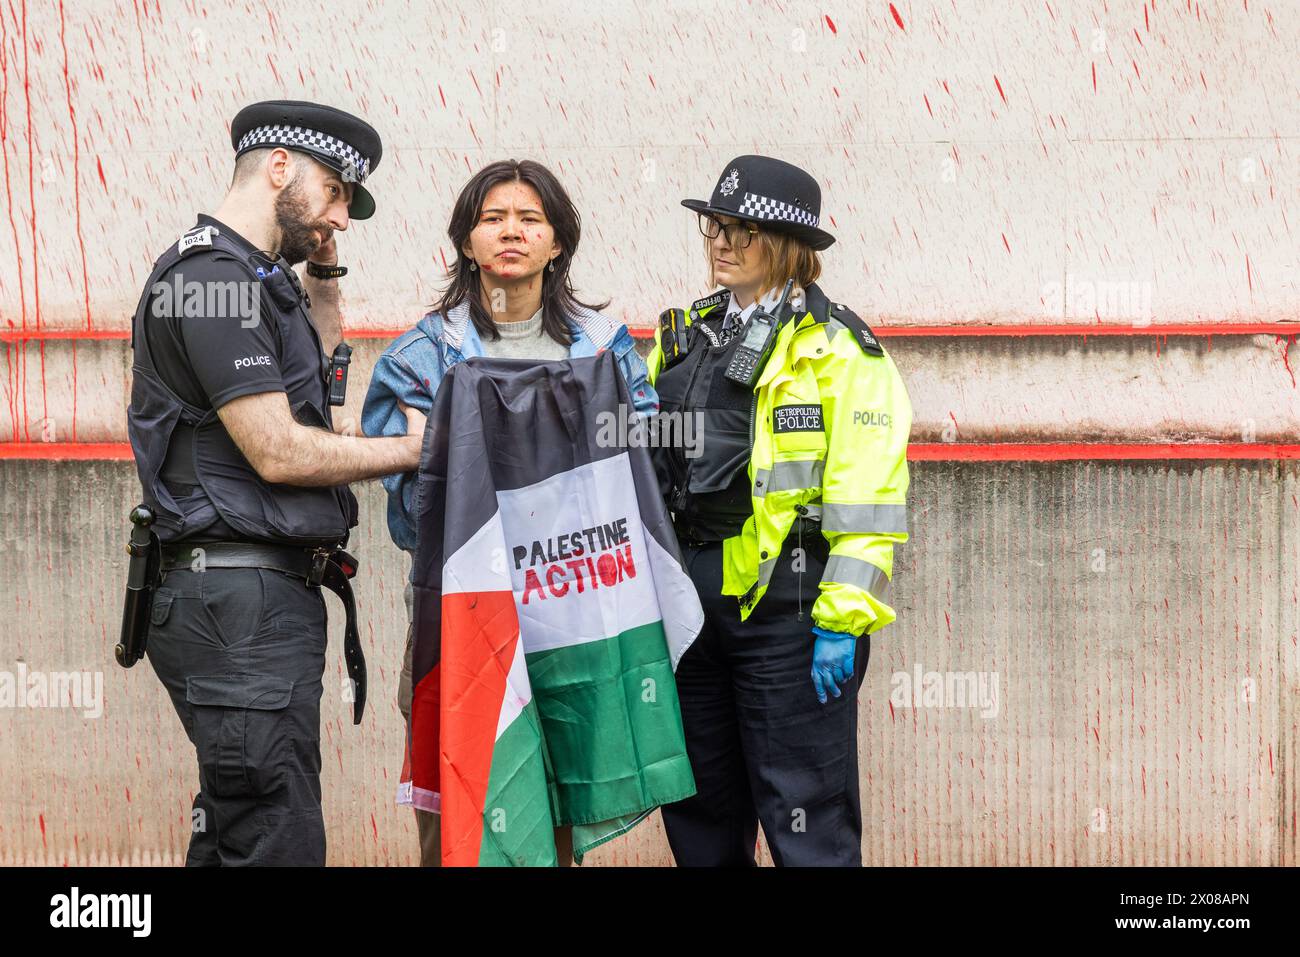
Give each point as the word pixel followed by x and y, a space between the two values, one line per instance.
pixel 730 326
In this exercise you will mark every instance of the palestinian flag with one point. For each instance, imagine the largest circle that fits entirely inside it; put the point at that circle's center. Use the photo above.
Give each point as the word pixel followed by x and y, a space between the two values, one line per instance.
pixel 551 609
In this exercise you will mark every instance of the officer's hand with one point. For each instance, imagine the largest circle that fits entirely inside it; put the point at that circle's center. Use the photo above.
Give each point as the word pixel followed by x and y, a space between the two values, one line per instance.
pixel 327 254
pixel 832 661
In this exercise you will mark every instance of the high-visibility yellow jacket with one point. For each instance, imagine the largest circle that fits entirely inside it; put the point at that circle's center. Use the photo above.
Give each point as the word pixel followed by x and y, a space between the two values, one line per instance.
pixel 851 473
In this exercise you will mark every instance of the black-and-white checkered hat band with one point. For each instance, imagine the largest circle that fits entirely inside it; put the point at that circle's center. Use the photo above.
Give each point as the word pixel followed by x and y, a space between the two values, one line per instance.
pixel 309 141
pixel 762 207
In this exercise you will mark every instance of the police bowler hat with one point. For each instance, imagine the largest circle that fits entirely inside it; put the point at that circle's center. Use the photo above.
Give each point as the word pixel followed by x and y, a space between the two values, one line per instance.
pixel 777 195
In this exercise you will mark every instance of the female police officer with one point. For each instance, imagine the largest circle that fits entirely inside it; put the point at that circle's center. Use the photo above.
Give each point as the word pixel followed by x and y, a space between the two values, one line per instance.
pixel 787 510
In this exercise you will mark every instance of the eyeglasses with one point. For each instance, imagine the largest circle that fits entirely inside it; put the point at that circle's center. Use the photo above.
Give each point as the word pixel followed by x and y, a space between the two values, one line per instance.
pixel 739 235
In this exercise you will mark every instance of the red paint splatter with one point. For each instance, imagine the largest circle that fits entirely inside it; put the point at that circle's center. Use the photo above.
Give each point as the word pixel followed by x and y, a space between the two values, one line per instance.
pixel 1094 78
pixel 927 104
pixel 442 96
pixel 897 19
pixel 144 63
pixel 830 23
pixel 1249 281
pixel 998 83
pixel 100 167
pixel 41 818
pixel 1005 243
pixel 1286 356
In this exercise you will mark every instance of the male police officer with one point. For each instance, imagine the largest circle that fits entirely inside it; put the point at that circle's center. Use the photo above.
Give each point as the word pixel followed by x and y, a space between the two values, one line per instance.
pixel 246 479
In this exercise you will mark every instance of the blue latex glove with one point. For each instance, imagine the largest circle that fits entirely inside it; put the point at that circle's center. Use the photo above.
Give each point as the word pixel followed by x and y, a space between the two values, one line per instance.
pixel 832 661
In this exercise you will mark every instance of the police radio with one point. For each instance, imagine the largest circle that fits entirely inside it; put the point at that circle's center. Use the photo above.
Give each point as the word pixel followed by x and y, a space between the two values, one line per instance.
pixel 747 363
pixel 339 373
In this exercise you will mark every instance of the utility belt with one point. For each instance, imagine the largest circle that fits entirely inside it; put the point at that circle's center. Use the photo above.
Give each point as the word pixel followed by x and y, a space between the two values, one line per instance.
pixel 323 567
pixel 806 529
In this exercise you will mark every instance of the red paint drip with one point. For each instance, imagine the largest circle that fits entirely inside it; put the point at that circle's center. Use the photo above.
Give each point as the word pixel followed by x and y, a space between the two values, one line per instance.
pixel 998 83
pixel 897 19
pixel 1005 243
pixel 1094 78
pixel 830 23
pixel 41 818
pixel 31 198
pixel 927 105
pixel 1286 357
pixel 76 193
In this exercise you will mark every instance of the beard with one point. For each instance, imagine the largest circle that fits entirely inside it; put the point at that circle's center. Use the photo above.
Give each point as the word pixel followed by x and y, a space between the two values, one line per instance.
pixel 300 232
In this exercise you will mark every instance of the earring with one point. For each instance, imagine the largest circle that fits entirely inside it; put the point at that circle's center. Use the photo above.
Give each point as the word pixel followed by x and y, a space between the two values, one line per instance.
pixel 473 266
pixel 551 266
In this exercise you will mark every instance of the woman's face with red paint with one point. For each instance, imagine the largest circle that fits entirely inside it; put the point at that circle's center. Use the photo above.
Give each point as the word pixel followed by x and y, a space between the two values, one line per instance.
pixel 513 239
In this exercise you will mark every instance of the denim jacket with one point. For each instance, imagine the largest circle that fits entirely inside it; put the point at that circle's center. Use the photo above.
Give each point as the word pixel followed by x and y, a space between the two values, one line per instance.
pixel 411 369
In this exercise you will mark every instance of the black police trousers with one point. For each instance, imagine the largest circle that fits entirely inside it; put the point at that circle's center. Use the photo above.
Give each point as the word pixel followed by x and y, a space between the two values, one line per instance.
pixel 763 748
pixel 241 651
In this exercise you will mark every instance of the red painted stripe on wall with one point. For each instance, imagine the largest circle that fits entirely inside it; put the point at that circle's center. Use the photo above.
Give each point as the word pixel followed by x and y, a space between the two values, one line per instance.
pixel 1094 451
pixel 917 452
pixel 885 331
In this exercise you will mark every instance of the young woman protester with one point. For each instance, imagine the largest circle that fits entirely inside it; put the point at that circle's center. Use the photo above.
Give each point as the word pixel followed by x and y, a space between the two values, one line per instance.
pixel 508 295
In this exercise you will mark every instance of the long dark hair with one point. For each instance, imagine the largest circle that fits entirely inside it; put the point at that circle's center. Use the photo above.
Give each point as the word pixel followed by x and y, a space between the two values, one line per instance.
pixel 558 300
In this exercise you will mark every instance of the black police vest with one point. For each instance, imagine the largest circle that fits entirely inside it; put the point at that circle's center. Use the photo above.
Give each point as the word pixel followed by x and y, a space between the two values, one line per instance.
pixel 709 495
pixel 222 486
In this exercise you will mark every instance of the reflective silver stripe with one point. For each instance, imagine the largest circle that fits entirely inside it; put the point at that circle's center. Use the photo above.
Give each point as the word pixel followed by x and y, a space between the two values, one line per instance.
pixel 765 570
pixel 784 476
pixel 880 519
pixel 844 570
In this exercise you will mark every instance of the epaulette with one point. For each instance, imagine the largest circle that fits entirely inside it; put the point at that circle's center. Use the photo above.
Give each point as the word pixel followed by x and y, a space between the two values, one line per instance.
pixel 198 238
pixel 861 331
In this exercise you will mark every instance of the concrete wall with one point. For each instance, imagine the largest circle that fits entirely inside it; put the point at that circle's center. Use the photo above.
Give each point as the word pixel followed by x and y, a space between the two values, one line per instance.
pixel 1139 621
pixel 1024 164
